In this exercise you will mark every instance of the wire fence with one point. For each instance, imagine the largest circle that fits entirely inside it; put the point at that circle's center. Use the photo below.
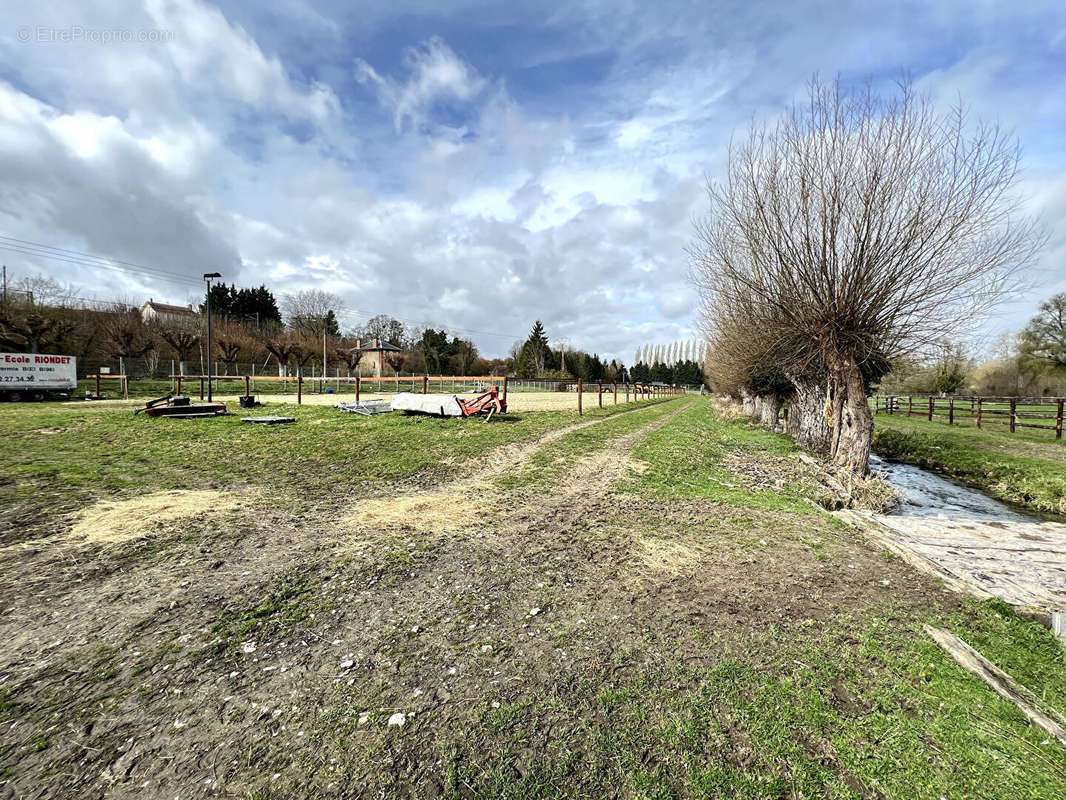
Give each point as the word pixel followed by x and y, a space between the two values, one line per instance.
pixel 526 394
pixel 1010 413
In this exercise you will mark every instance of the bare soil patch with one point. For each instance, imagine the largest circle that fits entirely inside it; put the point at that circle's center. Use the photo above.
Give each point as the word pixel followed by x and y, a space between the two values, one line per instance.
pixel 113 521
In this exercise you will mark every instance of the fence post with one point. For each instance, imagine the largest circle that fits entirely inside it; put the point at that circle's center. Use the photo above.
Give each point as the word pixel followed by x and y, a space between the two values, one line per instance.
pixel 201 387
pixel 910 404
pixel 1013 413
pixel 579 411
pixel 505 390
pixel 951 411
pixel 179 385
pixel 247 389
pixel 425 384
pixel 97 381
pixel 980 402
pixel 599 391
pixel 627 392
pixel 1058 422
pixel 930 408
pixel 616 394
pixel 357 388
pixel 299 387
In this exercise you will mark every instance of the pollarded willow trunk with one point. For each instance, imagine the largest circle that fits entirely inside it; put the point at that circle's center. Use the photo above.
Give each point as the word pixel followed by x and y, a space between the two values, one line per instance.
pixel 853 424
pixel 747 402
pixel 806 415
pixel 768 407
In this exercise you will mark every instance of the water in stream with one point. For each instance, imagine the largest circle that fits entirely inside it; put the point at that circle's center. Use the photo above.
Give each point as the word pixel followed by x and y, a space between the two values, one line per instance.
pixel 929 495
pixel 967 535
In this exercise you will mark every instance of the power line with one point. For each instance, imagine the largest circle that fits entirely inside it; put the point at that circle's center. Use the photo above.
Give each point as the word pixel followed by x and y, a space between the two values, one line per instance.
pixel 81 258
pixel 65 255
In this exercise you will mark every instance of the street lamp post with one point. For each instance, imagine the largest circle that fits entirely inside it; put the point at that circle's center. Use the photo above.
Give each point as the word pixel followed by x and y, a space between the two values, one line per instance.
pixel 208 276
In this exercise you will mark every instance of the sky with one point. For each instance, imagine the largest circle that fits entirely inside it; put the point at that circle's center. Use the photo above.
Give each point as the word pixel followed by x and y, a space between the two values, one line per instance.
pixel 462 164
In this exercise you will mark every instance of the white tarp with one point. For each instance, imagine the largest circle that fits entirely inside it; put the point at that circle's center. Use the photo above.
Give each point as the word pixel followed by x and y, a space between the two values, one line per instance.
pixel 37 371
pixel 443 405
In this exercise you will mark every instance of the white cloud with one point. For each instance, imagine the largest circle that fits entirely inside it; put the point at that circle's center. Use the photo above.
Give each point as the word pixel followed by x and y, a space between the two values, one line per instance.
pixel 436 74
pixel 478 192
pixel 206 48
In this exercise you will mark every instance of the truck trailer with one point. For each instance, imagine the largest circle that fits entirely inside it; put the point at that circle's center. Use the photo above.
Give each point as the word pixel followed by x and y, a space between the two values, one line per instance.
pixel 37 376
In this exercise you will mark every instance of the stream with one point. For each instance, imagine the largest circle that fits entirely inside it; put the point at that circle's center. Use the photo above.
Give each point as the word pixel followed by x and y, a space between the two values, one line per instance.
pixel 929 495
pixel 972 540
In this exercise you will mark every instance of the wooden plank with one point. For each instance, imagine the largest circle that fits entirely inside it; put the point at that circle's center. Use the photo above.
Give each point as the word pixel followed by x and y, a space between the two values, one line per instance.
pixel 999 682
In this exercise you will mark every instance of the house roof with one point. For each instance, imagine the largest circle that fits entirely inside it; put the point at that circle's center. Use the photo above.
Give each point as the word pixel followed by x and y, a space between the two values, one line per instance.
pixel 378 345
pixel 169 309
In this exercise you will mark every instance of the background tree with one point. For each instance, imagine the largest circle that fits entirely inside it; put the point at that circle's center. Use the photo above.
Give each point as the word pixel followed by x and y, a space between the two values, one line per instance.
pixel 32 332
pixel 229 339
pixel 183 340
pixel 537 344
pixel 312 312
pixel 348 354
pixel 1042 343
pixel 434 349
pixel 280 347
pixel 127 337
pixel 860 227
pixel 386 329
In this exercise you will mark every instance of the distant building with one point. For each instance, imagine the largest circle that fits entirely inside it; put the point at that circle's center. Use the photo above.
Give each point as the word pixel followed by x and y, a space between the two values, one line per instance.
pixel 164 314
pixel 380 348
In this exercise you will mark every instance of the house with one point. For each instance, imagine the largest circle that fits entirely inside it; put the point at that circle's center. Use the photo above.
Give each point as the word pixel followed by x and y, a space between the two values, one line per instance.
pixel 164 314
pixel 380 348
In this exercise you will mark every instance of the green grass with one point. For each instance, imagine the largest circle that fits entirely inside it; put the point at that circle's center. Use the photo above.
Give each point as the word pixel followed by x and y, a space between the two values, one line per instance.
pixel 1025 471
pixel 872 708
pixel 62 456
pixel 684 459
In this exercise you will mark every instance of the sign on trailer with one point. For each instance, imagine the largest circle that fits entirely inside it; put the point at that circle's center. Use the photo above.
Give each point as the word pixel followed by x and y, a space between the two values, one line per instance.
pixel 37 371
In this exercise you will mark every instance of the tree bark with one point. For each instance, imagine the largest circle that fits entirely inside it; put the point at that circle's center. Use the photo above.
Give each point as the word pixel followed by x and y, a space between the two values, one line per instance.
pixel 853 422
pixel 747 402
pixel 768 407
pixel 806 415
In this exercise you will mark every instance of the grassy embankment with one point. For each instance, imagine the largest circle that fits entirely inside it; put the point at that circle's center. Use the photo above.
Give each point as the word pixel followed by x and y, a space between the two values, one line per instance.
pixel 1026 470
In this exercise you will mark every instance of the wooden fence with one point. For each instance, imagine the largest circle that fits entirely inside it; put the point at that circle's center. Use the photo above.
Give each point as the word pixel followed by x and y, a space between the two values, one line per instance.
pixel 446 384
pixel 1011 413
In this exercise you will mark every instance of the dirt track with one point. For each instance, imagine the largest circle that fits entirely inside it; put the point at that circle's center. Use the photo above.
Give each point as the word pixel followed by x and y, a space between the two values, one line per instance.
pixel 270 651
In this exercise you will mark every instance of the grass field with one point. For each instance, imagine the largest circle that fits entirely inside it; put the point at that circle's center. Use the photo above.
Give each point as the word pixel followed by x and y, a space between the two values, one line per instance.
pixel 517 401
pixel 641 603
pixel 1024 469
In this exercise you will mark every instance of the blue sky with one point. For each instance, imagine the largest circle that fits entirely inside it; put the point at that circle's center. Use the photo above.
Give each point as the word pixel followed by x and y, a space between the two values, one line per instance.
pixel 472 165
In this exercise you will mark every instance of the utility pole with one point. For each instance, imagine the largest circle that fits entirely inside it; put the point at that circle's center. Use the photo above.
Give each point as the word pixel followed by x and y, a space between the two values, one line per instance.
pixel 5 285
pixel 322 386
pixel 208 276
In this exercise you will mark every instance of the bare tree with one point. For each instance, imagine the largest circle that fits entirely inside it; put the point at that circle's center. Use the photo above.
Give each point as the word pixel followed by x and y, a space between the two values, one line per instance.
pixel 127 336
pixel 346 353
pixel 280 347
pixel 183 339
pixel 32 332
pixel 312 311
pixel 229 339
pixel 859 227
